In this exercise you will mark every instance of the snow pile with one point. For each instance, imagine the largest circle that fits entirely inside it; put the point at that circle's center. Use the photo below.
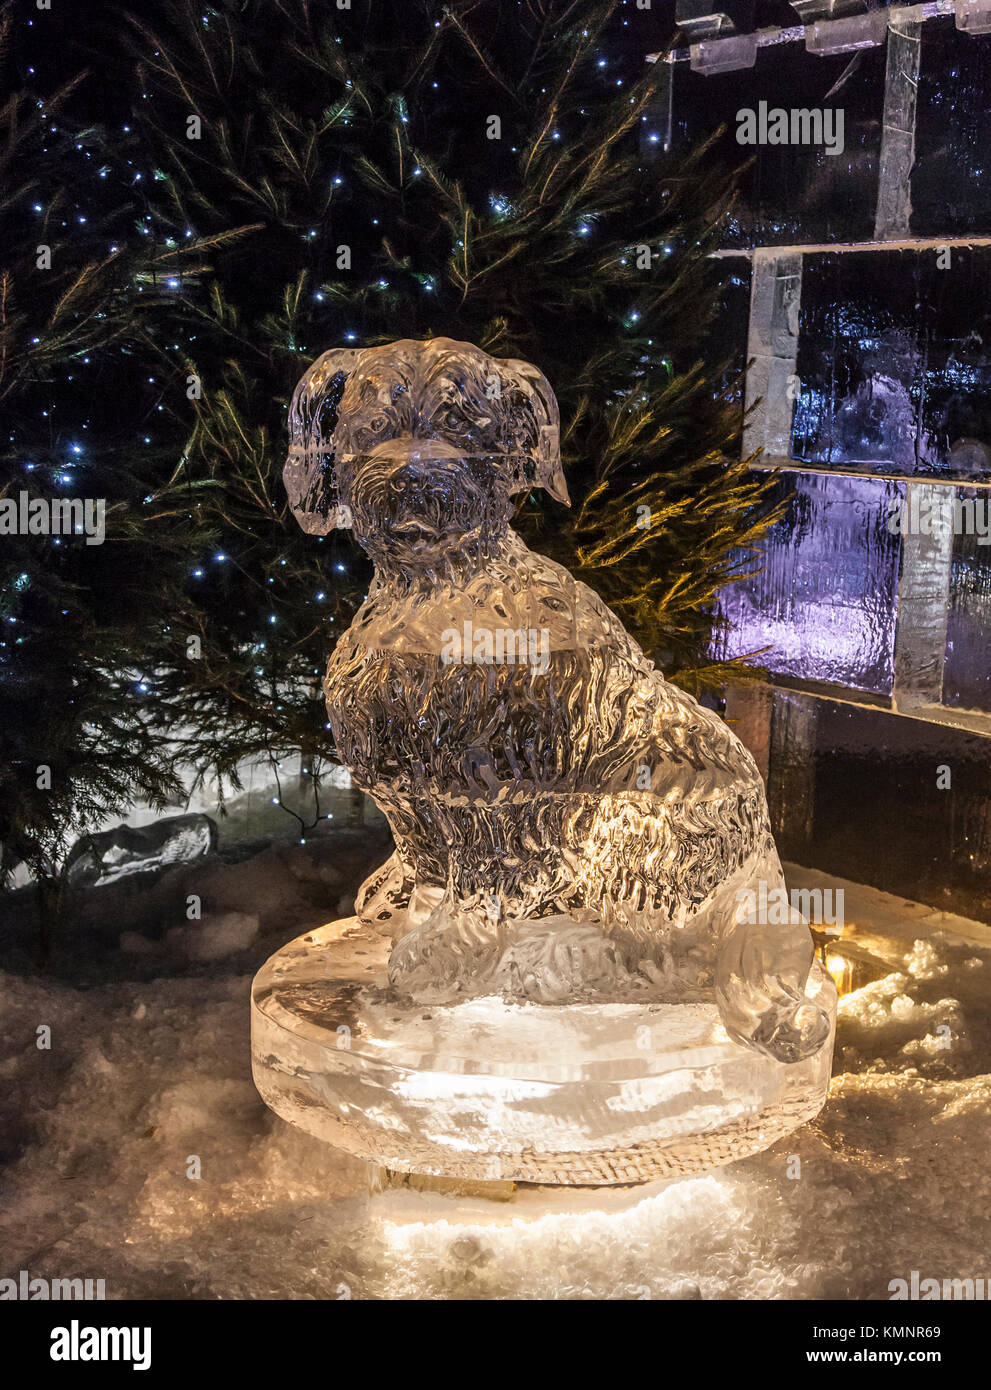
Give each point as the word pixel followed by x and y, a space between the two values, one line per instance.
pixel 928 1017
pixel 135 1148
pixel 213 937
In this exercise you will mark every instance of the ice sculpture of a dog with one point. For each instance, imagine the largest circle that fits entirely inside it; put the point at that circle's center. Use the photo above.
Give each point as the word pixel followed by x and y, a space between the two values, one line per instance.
pixel 568 825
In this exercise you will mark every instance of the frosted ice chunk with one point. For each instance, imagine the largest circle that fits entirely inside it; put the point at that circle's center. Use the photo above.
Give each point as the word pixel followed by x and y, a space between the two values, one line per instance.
pixel 112 854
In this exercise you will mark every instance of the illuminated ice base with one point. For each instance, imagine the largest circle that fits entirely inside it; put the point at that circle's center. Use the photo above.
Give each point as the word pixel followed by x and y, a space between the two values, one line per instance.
pixel 577 1094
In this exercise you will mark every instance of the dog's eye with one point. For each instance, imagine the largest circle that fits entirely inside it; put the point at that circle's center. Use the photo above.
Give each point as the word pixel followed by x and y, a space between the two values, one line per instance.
pixel 378 424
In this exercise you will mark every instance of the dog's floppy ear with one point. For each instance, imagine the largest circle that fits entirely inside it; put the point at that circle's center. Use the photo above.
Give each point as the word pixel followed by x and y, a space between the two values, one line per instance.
pixel 309 471
pixel 541 461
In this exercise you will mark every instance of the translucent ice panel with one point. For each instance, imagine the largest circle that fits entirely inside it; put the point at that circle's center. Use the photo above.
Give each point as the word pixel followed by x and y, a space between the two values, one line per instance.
pixel 955 377
pixel 725 343
pixel 967 674
pixel 792 192
pixel 824 602
pixel 952 132
pixel 893 362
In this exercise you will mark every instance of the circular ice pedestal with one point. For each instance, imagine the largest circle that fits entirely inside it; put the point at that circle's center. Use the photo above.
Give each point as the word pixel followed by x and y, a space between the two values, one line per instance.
pixel 581 1094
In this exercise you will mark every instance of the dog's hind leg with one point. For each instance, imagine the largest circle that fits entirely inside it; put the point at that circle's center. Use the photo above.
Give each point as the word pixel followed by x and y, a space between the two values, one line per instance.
pixel 393 900
pixel 385 895
pixel 761 974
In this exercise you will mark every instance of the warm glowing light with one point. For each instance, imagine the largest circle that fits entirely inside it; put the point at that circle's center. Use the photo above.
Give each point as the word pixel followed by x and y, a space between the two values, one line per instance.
pixel 841 970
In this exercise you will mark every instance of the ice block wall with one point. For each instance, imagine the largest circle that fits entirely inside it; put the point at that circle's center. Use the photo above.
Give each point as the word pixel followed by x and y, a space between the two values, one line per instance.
pixel 803 614
pixel 868 384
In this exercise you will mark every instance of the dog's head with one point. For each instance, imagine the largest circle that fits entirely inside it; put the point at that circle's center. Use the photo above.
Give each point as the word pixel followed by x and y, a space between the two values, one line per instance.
pixel 419 446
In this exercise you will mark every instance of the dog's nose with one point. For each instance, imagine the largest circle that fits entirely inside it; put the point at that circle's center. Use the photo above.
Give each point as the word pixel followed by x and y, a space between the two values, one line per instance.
pixel 424 475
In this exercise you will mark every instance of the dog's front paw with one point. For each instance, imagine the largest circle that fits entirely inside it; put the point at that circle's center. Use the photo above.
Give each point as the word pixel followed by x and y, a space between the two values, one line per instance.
pixel 557 959
pixel 761 975
pixel 791 1035
pixel 448 956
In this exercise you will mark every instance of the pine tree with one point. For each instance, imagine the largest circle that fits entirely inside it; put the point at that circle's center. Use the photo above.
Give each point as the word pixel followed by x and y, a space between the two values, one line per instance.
pixel 353 176
pixel 81 734
pixel 356 140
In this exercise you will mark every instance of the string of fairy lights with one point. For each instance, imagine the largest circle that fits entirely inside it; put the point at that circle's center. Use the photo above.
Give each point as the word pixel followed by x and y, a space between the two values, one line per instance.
pixel 124 171
pixel 61 473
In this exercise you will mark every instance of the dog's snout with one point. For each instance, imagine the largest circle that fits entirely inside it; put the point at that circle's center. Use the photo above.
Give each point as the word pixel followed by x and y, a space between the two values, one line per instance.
pixel 422 472
pixel 410 493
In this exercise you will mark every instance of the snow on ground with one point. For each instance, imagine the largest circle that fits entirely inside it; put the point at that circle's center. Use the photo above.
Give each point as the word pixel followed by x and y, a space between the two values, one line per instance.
pixel 149 1070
